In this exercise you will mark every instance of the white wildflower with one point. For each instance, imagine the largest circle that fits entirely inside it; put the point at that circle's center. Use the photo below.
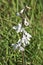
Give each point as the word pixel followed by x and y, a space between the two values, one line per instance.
pixel 27 34
pixel 21 49
pixel 18 28
pixel 15 27
pixel 18 14
pixel 28 38
pixel 25 40
pixel 19 42
pixel 21 11
pixel 24 45
pixel 15 46
pixel 25 22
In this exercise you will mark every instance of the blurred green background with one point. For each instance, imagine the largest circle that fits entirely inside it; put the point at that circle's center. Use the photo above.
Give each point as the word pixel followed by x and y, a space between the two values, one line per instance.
pixel 8 18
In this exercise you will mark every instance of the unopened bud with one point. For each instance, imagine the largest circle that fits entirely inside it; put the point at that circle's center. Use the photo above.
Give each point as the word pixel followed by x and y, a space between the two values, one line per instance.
pixel 28 7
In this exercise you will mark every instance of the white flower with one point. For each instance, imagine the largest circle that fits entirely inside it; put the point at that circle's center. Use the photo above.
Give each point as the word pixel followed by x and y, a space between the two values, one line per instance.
pixel 15 27
pixel 24 45
pixel 25 22
pixel 28 38
pixel 17 45
pixel 25 40
pixel 18 14
pixel 18 28
pixel 27 34
pixel 21 49
pixel 12 44
pixel 21 11
pixel 19 42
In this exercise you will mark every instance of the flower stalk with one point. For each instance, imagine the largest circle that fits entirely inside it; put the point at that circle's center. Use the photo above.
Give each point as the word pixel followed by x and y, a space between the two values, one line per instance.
pixel 25 39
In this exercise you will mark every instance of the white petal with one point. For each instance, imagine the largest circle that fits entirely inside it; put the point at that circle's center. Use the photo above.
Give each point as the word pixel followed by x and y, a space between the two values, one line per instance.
pixel 21 11
pixel 12 44
pixel 15 46
pixel 25 40
pixel 24 32
pixel 19 28
pixel 28 38
pixel 18 14
pixel 22 40
pixel 19 24
pixel 15 27
pixel 21 49
pixel 19 42
pixel 22 29
pixel 28 35
pixel 25 22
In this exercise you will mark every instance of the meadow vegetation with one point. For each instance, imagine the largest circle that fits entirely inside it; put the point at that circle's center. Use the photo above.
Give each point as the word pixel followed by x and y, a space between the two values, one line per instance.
pixel 34 51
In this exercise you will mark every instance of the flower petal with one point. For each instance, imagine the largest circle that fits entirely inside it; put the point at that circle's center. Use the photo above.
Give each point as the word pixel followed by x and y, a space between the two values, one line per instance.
pixel 25 22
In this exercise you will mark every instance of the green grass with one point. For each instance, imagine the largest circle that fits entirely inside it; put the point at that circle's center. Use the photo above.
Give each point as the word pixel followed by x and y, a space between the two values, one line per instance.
pixel 8 18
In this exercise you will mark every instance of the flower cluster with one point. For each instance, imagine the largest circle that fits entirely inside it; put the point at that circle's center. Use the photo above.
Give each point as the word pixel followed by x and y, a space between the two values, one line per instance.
pixel 24 41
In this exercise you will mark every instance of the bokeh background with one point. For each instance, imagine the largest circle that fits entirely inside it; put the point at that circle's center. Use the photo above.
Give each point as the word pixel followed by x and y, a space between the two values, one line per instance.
pixel 8 18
